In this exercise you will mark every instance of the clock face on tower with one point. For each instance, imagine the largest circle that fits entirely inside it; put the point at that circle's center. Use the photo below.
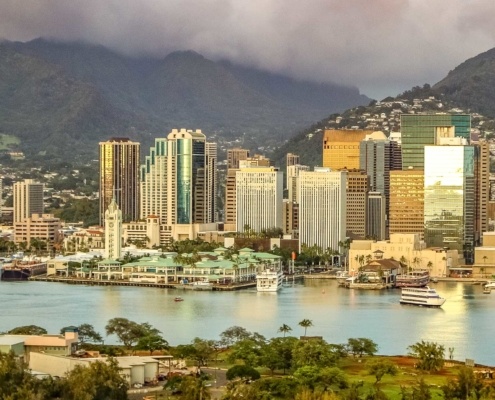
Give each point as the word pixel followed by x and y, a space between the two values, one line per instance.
pixel 110 224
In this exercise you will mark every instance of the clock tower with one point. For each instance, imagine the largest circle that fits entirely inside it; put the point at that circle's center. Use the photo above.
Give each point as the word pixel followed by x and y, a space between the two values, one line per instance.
pixel 113 231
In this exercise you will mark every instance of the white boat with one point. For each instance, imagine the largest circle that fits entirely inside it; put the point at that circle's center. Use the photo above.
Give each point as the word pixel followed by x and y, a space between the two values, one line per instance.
pixel 413 279
pixel 269 280
pixel 424 296
pixel 205 284
pixel 490 285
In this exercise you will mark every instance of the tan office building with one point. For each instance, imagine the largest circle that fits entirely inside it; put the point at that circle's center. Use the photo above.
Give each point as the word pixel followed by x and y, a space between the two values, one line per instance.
pixel 44 227
pixel 341 148
pixel 407 202
pixel 357 188
pixel 28 199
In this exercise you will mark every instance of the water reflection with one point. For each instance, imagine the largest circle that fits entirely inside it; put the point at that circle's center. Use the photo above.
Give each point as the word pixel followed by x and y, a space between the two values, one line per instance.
pixel 465 322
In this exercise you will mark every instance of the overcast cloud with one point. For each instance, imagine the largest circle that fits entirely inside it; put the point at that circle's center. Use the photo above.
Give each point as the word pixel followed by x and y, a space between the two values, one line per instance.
pixel 381 46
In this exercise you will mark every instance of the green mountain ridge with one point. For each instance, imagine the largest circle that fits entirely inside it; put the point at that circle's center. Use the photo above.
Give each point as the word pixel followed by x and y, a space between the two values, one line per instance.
pixel 55 95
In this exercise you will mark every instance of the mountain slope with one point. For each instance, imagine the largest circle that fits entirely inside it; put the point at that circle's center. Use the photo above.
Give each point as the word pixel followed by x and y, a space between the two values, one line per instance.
pixel 471 84
pixel 102 93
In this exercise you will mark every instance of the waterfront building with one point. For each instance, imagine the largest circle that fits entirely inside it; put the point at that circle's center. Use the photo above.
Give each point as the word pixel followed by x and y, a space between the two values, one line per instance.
pixel 179 182
pixel 357 188
pixel 92 238
pixel 409 249
pixel 119 177
pixel 38 229
pixel 259 197
pixel 420 130
pixel 406 213
pixel 322 208
pixel 113 231
pixel 28 199
pixel 450 198
pixel 375 216
pixel 341 148
pixel 484 257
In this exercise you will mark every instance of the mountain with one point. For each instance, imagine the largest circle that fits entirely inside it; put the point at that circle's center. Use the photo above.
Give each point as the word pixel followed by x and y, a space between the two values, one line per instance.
pixel 471 84
pixel 57 94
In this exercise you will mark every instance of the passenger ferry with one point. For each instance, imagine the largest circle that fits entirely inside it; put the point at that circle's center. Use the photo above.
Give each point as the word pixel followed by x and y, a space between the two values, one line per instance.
pixel 413 279
pixel 424 296
pixel 269 280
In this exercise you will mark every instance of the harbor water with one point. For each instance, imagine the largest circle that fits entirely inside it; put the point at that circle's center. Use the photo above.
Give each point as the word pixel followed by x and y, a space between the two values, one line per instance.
pixel 466 321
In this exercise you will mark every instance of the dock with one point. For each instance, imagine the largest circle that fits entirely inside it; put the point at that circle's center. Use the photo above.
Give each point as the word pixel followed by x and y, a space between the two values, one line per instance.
pixel 99 282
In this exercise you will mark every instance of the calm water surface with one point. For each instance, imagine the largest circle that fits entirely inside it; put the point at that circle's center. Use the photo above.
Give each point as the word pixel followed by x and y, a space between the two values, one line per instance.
pixel 466 321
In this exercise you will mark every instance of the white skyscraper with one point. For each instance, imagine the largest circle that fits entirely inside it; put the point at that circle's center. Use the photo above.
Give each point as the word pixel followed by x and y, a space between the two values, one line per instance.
pixel 259 198
pixel 322 208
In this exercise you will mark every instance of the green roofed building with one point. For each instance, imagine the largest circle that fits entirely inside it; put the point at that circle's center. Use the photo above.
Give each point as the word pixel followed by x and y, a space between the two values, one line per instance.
pixel 422 130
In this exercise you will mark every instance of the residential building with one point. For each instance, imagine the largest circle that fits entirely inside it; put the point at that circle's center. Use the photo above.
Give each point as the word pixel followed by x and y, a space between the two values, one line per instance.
pixel 420 130
pixel 28 199
pixel 482 188
pixel 406 213
pixel 322 208
pixel 341 148
pixel 234 156
pixel 119 177
pixel 292 178
pixel 259 198
pixel 291 219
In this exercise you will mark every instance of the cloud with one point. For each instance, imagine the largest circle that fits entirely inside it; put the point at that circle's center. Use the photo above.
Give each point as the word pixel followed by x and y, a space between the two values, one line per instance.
pixel 380 46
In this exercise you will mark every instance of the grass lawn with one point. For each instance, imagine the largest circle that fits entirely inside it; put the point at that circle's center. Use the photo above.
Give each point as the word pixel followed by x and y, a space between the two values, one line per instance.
pixel 7 141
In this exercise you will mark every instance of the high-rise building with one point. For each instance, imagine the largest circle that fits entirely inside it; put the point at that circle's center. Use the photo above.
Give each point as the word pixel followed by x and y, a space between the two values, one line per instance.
pixel 234 156
pixel 322 208
pixel 375 216
pixel 482 188
pixel 259 198
pixel 119 177
pixel 450 198
pixel 378 157
pixel 178 179
pixel 293 172
pixel 341 148
pixel 406 214
pixel 357 188
pixel 420 130
pixel 292 159
pixel 230 185
pixel 28 199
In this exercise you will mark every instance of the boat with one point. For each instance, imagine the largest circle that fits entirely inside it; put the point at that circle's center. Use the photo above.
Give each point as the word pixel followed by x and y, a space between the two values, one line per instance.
pixel 424 296
pixel 342 277
pixel 205 284
pixel 490 285
pixel 269 280
pixel 178 298
pixel 22 270
pixel 413 279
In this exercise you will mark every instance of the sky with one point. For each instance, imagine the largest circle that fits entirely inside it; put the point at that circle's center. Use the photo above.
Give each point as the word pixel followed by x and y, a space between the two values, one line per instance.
pixel 383 47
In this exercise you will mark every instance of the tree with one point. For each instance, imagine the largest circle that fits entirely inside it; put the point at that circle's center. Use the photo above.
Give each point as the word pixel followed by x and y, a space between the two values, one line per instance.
pixel 199 350
pixel 15 380
pixel 360 346
pixel 86 333
pixel 243 372
pixel 28 330
pixel 127 332
pixel 233 335
pixel 306 323
pixel 420 391
pixel 285 329
pixel 379 368
pixel 468 385
pixel 430 355
pixel 315 352
pixel 97 381
pixel 277 354
pixel 248 350
pixel 323 379
pixel 151 342
pixel 194 388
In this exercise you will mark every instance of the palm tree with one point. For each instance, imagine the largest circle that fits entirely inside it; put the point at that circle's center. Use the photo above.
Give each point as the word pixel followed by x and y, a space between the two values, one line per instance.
pixel 429 266
pixel 306 323
pixel 285 329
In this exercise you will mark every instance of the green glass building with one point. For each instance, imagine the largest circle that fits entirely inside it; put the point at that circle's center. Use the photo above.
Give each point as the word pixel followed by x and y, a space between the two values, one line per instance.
pixel 418 131
pixel 450 198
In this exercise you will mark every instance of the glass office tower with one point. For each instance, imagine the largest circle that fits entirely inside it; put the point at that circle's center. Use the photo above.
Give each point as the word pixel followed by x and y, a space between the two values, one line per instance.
pixel 418 131
pixel 450 198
